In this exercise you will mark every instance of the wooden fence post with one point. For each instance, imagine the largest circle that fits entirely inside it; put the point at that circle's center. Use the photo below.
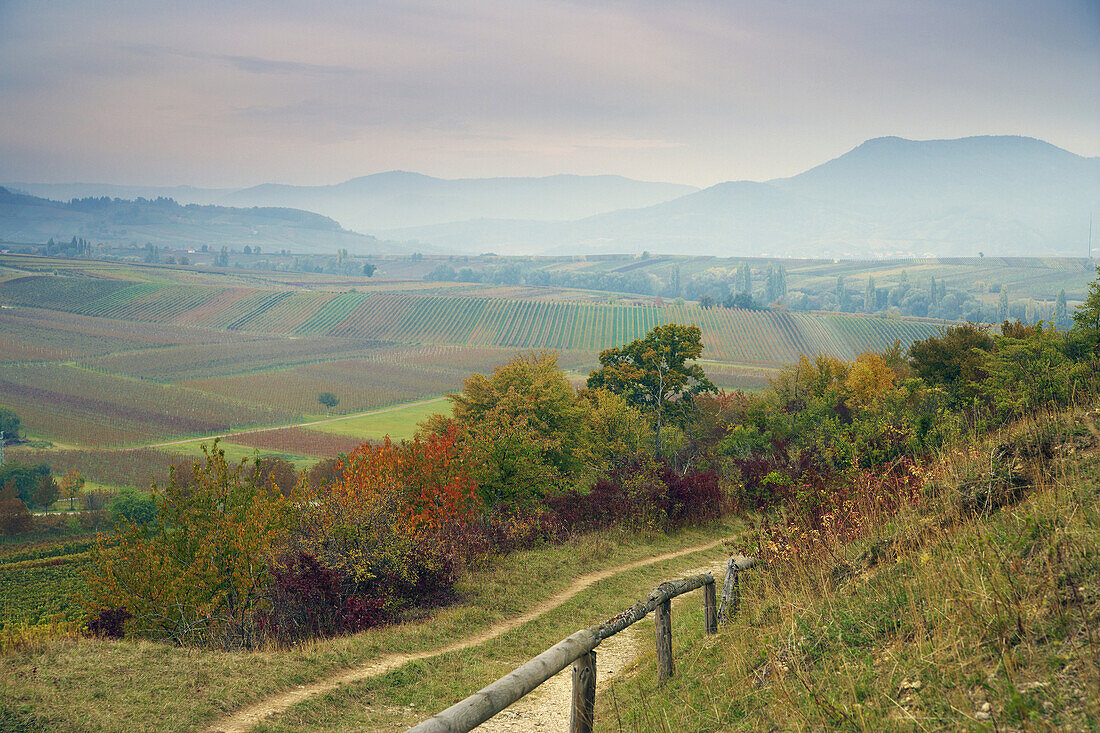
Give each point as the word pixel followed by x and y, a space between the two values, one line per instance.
pixel 731 598
pixel 664 640
pixel 582 715
pixel 710 609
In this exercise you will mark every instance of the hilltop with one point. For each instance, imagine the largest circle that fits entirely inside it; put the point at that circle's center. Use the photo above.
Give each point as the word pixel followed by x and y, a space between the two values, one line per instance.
pixel 888 197
pixel 164 221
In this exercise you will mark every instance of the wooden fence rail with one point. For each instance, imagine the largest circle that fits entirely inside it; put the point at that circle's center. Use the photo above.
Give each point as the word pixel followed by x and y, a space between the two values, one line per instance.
pixel 579 650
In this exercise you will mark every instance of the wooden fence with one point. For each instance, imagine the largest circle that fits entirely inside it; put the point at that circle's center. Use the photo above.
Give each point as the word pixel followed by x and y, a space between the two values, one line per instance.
pixel 579 650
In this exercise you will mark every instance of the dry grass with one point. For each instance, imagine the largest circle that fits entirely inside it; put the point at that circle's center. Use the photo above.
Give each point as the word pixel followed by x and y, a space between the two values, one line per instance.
pixel 80 684
pixel 957 614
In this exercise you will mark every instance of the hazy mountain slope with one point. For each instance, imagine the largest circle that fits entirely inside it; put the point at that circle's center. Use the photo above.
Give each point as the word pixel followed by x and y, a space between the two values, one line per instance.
pixel 402 199
pixel 887 197
pixel 1002 195
pixel 972 170
pixel 26 218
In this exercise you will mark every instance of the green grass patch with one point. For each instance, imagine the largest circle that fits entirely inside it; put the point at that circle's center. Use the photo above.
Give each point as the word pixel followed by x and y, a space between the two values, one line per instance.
pixel 399 423
pixel 234 453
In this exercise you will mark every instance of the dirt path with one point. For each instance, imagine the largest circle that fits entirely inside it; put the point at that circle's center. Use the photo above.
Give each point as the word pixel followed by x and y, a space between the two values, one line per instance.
pixel 311 423
pixel 246 718
pixel 547 708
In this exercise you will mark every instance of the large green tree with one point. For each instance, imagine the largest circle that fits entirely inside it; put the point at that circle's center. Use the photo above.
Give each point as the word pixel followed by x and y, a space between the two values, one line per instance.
pixel 522 428
pixel 954 359
pixel 1086 318
pixel 654 375
pixel 9 424
pixel 24 478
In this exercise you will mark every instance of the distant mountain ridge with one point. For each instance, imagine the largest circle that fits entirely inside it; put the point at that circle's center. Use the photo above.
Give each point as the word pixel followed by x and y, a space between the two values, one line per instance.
pixel 887 197
pixel 400 198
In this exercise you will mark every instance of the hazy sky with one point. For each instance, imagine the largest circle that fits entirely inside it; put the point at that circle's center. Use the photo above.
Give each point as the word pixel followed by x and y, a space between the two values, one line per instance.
pixel 237 93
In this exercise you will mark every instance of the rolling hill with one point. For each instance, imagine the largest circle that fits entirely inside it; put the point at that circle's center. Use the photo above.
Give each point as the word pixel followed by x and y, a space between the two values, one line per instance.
pixel 887 197
pixel 163 221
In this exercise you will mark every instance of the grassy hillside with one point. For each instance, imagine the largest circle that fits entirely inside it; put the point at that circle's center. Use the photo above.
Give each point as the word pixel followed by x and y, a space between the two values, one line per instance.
pixel 942 618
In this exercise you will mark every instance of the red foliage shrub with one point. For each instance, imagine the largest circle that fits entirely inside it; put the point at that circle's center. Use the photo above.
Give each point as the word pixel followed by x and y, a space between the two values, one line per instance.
pixel 308 600
pixel 691 497
pixel 109 623
pixel 499 533
pixel 14 516
pixel 642 494
pixel 607 502
pixel 361 613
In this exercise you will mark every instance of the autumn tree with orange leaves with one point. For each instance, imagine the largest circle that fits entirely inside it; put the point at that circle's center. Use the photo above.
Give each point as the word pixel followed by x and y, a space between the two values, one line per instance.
pixel 378 525
pixel 199 572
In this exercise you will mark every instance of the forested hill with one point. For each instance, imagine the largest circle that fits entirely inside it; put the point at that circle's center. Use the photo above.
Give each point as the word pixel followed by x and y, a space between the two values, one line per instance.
pixel 25 218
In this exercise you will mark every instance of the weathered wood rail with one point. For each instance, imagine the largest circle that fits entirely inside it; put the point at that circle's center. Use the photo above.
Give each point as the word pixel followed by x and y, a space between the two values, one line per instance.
pixel 579 650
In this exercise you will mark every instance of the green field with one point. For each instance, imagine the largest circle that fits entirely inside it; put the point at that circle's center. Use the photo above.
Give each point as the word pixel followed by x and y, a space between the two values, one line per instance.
pixel 234 452
pixel 38 580
pixel 736 336
pixel 398 423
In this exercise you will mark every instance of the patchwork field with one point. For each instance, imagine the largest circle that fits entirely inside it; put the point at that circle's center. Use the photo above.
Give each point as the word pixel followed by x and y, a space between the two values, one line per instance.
pixel 97 356
pixel 731 335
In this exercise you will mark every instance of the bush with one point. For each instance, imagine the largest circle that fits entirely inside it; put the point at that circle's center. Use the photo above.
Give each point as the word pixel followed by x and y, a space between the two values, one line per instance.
pixel 25 478
pixel 9 424
pixel 309 600
pixel 96 500
pixel 199 572
pixel 133 507
pixel 46 492
pixel 273 473
pixel 324 472
pixel 387 525
pixel 769 478
pixel 15 518
pixel 953 358
pixel 647 494
pixel 692 497
pixel 108 623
